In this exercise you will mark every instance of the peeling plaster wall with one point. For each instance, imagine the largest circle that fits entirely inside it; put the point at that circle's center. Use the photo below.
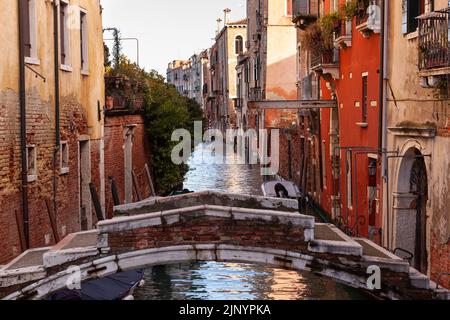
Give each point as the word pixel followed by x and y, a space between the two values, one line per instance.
pixel 417 107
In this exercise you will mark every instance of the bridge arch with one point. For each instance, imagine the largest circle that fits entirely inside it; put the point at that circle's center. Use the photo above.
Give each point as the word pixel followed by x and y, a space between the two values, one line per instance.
pixel 217 228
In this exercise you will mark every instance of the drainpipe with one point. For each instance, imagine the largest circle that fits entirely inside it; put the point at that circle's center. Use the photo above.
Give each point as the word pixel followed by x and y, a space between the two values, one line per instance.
pixel 23 125
pixel 384 112
pixel 57 101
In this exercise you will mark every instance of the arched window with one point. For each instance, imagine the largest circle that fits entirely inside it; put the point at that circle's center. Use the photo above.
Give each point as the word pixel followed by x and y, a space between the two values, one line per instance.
pixel 239 44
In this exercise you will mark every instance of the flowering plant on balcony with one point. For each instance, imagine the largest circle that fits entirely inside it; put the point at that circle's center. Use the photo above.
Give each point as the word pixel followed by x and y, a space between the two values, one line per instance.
pixel 350 9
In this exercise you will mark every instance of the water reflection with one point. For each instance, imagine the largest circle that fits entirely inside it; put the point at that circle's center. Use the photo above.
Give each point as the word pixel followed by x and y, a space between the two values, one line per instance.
pixel 229 281
pixel 230 176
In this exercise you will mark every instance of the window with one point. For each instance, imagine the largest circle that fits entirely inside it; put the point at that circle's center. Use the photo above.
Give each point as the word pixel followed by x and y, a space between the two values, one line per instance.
pixel 256 69
pixel 364 99
pixel 64 34
pixel 30 25
pixel 31 163
pixel 411 9
pixel 239 45
pixel 84 41
pixel 64 157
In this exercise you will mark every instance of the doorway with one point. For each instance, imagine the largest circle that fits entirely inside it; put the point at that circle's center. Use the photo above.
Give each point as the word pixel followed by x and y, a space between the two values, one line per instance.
pixel 85 179
pixel 410 207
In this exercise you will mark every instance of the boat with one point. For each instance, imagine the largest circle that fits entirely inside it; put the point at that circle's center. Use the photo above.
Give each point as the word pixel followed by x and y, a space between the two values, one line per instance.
pixel 119 286
pixel 281 189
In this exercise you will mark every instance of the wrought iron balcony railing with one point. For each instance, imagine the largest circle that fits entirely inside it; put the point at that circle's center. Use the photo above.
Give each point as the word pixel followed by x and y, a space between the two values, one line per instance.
pixel 305 11
pixel 321 56
pixel 434 41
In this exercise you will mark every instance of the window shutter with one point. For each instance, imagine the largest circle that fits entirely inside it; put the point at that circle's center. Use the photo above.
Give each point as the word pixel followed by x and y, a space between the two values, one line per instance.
pixel 404 16
pixel 62 30
pixel 289 8
pixel 27 25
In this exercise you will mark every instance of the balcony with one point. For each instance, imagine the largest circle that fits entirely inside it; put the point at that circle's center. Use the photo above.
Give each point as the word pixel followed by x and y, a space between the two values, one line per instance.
pixel 368 18
pixel 304 12
pixel 255 94
pixel 434 47
pixel 343 35
pixel 325 61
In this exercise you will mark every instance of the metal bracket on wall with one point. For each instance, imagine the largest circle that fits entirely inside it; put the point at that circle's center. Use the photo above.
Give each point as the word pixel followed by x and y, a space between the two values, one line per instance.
pixel 37 74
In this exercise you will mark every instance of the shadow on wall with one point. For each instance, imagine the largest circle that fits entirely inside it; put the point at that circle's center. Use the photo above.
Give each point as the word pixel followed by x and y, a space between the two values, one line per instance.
pixel 282 80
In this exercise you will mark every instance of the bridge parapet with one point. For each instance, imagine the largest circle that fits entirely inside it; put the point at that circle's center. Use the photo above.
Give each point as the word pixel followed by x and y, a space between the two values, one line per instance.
pixel 171 232
pixel 214 198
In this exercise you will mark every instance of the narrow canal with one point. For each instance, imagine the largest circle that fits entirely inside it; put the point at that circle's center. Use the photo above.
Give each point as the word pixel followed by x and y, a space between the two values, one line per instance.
pixel 227 281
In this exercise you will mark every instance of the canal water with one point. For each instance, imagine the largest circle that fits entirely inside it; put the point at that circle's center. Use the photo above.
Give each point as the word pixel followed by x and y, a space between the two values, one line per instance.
pixel 232 281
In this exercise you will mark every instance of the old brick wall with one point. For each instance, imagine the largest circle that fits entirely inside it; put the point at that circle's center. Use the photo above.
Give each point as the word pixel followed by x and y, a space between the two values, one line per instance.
pixel 440 261
pixel 114 156
pixel 41 133
pixel 193 230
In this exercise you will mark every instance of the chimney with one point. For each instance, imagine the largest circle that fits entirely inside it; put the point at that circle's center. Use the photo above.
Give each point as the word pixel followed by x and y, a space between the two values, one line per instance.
pixel 218 26
pixel 226 15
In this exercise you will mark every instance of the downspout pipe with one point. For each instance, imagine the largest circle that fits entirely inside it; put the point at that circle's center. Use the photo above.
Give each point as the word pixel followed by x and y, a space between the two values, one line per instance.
pixel 57 103
pixel 23 124
pixel 384 116
pixel 381 84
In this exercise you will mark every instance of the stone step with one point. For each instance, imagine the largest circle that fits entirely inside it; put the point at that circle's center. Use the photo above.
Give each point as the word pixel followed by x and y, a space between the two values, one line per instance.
pixel 73 247
pixel 329 239
pixel 418 280
pixel 374 254
pixel 27 267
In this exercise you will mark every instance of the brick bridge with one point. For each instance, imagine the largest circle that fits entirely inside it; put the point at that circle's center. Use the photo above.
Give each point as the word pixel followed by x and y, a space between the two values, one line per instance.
pixel 212 226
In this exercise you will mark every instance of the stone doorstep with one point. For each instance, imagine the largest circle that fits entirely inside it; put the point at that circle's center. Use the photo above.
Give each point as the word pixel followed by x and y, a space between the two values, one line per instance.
pixel 173 216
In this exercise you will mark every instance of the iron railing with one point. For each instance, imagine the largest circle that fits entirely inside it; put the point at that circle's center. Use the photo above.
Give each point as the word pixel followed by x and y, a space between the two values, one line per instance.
pixel 305 8
pixel 434 42
pixel 344 29
pixel 321 56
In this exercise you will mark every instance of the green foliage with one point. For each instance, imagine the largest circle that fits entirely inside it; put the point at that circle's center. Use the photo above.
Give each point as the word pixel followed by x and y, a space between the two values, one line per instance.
pixel 350 9
pixel 165 111
pixel 328 24
pixel 311 37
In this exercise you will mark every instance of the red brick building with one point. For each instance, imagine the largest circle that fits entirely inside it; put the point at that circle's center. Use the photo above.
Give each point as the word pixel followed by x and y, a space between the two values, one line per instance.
pixel 127 150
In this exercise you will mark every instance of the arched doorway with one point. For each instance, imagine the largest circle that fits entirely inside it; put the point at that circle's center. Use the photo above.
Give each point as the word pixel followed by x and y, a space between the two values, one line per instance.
pixel 419 187
pixel 410 208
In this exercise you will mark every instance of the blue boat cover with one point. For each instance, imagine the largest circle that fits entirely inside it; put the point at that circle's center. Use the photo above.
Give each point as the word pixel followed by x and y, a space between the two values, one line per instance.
pixel 115 287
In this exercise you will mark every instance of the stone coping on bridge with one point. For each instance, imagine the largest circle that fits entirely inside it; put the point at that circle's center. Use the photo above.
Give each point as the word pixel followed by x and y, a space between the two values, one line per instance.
pixel 176 215
pixel 216 198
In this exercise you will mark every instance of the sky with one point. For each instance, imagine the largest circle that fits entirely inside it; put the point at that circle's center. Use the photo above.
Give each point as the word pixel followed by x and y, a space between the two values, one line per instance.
pixel 167 29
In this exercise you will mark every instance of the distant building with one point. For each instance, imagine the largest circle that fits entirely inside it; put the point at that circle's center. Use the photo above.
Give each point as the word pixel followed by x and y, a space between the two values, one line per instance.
pixel 229 44
pixel 187 76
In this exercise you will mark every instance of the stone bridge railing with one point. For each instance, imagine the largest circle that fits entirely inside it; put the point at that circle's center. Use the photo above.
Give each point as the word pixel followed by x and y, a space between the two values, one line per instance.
pixel 212 226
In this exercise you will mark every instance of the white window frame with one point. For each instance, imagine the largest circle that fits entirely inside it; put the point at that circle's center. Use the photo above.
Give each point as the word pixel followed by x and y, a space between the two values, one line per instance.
pixel 33 58
pixel 67 66
pixel 32 174
pixel 64 169
pixel 84 29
